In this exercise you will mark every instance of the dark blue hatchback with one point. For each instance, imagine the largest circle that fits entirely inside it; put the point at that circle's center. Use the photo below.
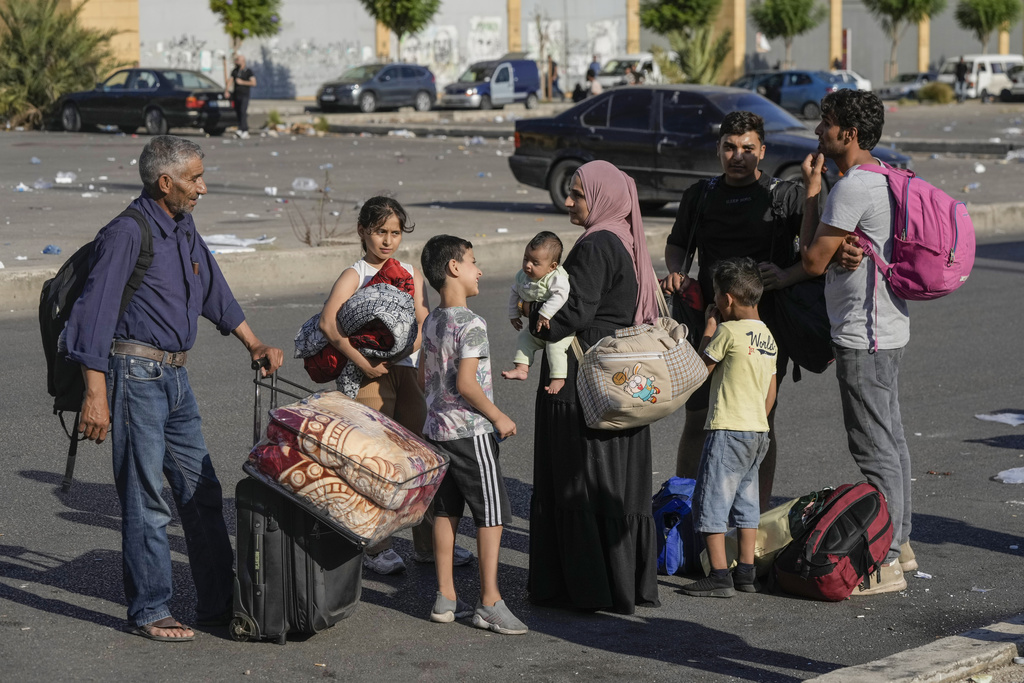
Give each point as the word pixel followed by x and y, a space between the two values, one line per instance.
pixel 798 91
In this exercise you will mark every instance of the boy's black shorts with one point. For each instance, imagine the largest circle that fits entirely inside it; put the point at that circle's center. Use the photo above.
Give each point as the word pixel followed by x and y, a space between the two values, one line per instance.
pixel 474 477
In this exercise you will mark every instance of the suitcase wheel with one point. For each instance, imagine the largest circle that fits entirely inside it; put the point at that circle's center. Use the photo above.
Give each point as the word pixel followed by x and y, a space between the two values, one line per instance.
pixel 242 628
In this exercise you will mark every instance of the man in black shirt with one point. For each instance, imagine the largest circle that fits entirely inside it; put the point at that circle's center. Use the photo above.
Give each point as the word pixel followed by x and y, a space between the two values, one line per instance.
pixel 961 79
pixel 745 213
pixel 241 80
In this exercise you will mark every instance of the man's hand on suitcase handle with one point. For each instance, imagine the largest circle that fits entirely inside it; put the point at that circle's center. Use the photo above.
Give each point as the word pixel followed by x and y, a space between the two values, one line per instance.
pixel 95 419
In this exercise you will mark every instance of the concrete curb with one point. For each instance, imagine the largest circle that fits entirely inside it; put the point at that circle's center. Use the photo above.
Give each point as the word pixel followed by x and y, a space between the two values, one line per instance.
pixel 985 147
pixel 944 661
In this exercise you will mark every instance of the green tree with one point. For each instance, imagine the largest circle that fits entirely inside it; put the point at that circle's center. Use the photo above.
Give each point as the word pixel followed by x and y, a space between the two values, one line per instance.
pixel 983 17
pixel 786 19
pixel 403 17
pixel 688 25
pixel 896 16
pixel 45 52
pixel 247 18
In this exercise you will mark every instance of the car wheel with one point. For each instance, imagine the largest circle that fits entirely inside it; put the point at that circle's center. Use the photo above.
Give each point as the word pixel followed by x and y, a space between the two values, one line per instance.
pixel 560 180
pixel 1006 95
pixel 423 101
pixel 128 130
pixel 70 119
pixel 485 102
pixel 156 124
pixel 651 206
pixel 792 174
pixel 531 101
pixel 214 131
pixel 368 103
pixel 811 111
pixel 984 96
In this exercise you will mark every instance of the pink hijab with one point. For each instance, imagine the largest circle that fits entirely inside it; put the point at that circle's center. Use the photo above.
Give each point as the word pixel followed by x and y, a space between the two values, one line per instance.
pixel 611 198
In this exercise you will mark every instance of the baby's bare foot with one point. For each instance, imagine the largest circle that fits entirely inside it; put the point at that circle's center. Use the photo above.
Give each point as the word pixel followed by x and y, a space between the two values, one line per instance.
pixel 519 372
pixel 555 385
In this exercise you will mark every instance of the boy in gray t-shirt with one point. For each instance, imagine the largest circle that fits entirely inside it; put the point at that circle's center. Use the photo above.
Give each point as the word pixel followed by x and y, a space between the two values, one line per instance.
pixel 870 325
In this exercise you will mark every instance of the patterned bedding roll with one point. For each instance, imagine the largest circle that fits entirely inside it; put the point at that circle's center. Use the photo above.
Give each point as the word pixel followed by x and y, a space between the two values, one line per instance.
pixel 375 455
pixel 296 474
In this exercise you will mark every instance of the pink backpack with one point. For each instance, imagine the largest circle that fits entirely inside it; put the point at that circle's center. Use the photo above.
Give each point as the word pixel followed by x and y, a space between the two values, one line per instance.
pixel 933 238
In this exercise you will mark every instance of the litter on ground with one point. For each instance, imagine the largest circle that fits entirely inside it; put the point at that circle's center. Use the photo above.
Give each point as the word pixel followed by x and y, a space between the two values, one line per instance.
pixel 1011 476
pixel 1014 419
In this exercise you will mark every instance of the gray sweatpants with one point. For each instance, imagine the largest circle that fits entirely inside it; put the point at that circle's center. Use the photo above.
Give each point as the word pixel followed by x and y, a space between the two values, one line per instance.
pixel 869 388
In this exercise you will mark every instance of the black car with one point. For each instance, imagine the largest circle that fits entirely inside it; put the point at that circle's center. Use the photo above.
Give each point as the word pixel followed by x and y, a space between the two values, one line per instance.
pixel 379 86
pixel 664 136
pixel 158 99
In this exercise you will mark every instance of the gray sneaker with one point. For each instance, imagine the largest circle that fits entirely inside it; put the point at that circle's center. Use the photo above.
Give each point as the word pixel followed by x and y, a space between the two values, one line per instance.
pixel 498 619
pixel 462 557
pixel 446 611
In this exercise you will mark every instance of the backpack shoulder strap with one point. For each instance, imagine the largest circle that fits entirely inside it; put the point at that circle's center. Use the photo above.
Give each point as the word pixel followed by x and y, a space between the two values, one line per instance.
pixel 144 261
pixel 708 185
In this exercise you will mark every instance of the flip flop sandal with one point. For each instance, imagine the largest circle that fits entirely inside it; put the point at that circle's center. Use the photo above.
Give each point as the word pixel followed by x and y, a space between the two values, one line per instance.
pixel 167 623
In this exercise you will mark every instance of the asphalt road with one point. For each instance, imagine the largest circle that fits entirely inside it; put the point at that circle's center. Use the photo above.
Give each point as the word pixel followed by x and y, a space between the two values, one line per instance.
pixel 447 186
pixel 61 611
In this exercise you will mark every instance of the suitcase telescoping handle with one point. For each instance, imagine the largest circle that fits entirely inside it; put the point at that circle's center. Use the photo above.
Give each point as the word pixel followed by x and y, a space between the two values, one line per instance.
pixel 257 417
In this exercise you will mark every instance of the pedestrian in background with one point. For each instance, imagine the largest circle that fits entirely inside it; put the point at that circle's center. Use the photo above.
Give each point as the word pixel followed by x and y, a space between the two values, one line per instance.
pixel 870 324
pixel 595 65
pixel 242 81
pixel 961 80
pixel 138 387
pixel 594 86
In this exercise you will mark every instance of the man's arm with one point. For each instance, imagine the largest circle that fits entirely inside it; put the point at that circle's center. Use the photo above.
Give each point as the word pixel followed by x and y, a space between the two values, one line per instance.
pixel 819 242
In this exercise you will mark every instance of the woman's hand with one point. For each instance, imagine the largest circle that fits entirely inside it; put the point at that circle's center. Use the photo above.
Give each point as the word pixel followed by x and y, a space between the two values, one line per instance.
pixel 373 368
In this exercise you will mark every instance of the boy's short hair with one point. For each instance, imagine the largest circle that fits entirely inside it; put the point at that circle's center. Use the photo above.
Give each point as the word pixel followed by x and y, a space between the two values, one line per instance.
pixel 549 240
pixel 741 123
pixel 741 278
pixel 437 252
pixel 858 109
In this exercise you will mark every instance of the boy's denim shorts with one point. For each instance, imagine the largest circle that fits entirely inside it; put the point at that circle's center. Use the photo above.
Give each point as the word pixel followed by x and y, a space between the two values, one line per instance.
pixel 727 487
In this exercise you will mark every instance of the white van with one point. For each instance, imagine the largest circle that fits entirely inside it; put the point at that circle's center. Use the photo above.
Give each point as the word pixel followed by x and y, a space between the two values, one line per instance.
pixel 613 73
pixel 986 74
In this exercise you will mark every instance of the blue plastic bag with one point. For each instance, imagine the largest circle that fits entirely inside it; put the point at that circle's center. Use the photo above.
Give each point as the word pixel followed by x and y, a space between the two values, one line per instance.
pixel 678 551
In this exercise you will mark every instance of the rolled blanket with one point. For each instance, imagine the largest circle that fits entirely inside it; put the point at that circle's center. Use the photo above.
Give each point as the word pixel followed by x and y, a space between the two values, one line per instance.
pixel 379 320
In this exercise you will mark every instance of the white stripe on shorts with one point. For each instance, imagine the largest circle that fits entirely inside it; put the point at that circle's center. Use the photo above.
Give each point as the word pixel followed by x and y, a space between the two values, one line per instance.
pixel 488 479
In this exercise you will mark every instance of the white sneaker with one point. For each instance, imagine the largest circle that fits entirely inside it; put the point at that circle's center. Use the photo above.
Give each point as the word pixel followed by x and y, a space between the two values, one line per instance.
pixel 244 135
pixel 387 562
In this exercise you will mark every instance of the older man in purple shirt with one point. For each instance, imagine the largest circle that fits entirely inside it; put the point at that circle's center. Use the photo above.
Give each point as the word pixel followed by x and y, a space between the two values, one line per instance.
pixel 134 367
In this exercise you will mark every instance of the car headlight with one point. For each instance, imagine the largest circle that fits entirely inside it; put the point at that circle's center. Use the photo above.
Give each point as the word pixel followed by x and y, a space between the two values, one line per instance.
pixel 470 92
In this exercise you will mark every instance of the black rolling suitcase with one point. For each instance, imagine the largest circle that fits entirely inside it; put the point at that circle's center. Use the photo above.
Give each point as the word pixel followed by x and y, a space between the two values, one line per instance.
pixel 294 574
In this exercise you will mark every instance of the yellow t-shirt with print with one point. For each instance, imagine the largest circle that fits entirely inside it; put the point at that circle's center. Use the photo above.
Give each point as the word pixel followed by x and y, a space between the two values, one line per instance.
pixel 745 353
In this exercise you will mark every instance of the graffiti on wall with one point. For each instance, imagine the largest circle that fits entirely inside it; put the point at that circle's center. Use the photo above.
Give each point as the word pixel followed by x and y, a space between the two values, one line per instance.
pixel 437 48
pixel 484 40
pixel 181 52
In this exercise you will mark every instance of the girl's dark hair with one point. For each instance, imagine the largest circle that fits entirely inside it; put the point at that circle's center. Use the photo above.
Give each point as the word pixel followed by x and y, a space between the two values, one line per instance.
pixel 549 240
pixel 858 109
pixel 377 210
pixel 741 123
pixel 741 278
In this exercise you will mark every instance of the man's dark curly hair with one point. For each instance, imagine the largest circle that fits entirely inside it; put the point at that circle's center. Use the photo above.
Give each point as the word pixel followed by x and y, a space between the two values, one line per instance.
pixel 742 122
pixel 858 109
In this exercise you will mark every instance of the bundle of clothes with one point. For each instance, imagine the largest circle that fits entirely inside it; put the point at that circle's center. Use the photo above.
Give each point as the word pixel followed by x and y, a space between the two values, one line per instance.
pixel 378 319
pixel 362 472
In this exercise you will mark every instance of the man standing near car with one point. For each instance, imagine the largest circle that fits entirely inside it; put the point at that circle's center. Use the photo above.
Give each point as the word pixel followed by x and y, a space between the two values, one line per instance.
pixel 870 324
pixel 242 81
pixel 743 213
pixel 137 386
pixel 961 80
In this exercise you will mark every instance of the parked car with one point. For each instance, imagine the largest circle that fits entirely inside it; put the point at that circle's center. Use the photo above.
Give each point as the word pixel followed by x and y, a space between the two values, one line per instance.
pixel 494 84
pixel 379 86
pixel 798 91
pixel 1016 90
pixel 665 137
pixel 158 99
pixel 848 76
pixel 906 85
pixel 986 74
pixel 613 73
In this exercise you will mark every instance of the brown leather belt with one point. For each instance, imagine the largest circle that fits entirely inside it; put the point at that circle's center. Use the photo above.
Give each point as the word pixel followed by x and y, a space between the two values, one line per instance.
pixel 175 360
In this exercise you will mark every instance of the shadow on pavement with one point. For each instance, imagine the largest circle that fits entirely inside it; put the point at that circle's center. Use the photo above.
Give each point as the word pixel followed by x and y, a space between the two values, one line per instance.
pixel 936 530
pixel 1002 251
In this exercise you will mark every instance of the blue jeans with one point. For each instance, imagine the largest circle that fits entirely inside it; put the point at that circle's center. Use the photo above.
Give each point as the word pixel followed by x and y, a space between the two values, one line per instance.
pixel 727 491
pixel 869 388
pixel 156 431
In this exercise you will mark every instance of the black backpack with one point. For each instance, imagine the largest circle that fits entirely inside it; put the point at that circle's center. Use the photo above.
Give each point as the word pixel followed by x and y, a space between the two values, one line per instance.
pixel 64 380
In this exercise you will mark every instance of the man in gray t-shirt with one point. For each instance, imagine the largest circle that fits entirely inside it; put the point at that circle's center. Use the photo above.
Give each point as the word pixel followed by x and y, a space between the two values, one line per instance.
pixel 870 325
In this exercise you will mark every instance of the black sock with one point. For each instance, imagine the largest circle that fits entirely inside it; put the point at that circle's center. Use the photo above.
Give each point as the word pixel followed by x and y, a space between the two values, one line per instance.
pixel 742 568
pixel 720 573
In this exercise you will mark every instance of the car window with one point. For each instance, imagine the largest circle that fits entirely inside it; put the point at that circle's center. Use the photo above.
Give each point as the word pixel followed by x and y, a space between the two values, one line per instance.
pixel 145 80
pixel 389 74
pixel 189 80
pixel 744 82
pixel 997 67
pixel 477 73
pixel 408 72
pixel 118 81
pixel 799 79
pixel 597 116
pixel 631 109
pixel 981 67
pixel 502 75
pixel 359 74
pixel 615 68
pixel 683 113
pixel 775 117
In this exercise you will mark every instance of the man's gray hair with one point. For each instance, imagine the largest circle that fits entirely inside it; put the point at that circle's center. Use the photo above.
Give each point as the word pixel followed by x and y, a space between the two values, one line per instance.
pixel 165 155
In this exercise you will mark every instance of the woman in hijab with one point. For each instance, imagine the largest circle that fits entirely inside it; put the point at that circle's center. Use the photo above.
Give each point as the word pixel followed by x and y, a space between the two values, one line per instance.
pixel 592 538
